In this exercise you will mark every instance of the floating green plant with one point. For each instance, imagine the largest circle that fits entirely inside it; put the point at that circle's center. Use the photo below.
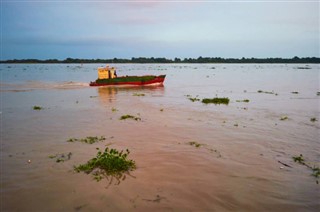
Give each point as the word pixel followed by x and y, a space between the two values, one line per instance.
pixel 130 117
pixel 245 100
pixel 216 101
pixel 194 143
pixel 61 157
pixel 313 119
pixel 37 107
pixel 88 140
pixel 301 160
pixel 283 118
pixel 111 162
pixel 192 99
pixel 298 159
pixel 267 92
pixel 138 94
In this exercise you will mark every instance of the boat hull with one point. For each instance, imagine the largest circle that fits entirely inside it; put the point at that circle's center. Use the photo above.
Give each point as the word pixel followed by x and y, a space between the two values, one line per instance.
pixel 131 80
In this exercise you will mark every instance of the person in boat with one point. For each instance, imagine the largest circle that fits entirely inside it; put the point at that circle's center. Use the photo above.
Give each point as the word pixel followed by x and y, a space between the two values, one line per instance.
pixel 115 74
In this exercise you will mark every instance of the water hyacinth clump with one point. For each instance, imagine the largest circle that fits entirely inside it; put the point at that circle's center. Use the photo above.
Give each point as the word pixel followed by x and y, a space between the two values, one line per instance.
pixel 110 162
pixel 88 140
pixel 124 117
pixel 216 101
pixel 37 107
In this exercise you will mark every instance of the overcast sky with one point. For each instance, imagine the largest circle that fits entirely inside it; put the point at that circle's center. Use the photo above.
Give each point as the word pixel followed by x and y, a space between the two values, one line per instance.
pixel 125 29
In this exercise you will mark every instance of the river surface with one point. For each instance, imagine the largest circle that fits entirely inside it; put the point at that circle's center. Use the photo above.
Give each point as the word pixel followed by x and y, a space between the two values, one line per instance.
pixel 243 161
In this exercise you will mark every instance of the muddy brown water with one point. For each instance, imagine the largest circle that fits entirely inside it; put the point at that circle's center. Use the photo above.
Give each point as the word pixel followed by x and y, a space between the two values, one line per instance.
pixel 236 168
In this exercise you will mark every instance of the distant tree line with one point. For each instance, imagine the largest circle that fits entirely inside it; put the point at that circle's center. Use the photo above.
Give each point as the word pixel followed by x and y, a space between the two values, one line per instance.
pixel 175 60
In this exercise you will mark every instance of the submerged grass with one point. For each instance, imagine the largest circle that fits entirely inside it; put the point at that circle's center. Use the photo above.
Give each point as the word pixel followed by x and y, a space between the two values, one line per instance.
pixel 110 162
pixel 216 101
pixel 88 140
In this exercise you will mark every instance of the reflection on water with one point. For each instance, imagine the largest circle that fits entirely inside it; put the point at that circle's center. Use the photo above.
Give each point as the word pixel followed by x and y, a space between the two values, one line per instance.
pixel 108 93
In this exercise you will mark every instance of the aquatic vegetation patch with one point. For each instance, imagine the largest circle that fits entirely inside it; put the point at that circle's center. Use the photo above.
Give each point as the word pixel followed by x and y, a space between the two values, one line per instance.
pixel 124 117
pixel 110 162
pixel 283 118
pixel 194 143
pixel 315 170
pixel 216 100
pixel 198 145
pixel 88 140
pixel 61 157
pixel 313 119
pixel 192 99
pixel 267 92
pixel 37 107
pixel 138 94
pixel 245 100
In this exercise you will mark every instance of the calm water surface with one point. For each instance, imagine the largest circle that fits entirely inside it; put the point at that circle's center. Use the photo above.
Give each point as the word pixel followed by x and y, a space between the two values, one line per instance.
pixel 239 165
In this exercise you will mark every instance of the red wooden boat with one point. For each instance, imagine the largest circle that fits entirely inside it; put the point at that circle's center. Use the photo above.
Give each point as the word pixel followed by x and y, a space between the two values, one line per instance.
pixel 108 76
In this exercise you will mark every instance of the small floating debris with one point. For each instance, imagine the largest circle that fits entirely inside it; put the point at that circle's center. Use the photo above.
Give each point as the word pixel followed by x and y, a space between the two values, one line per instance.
pixel 283 118
pixel 295 92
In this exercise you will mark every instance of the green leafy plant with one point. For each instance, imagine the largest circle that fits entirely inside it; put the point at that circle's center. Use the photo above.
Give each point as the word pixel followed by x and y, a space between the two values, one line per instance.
pixel 110 162
pixel 301 160
pixel 37 107
pixel 313 119
pixel 267 92
pixel 88 140
pixel 61 157
pixel 245 100
pixel 216 101
pixel 298 159
pixel 194 143
pixel 130 117
pixel 138 94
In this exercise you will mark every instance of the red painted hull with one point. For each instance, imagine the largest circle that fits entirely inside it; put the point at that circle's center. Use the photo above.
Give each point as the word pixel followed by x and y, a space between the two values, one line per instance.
pixel 157 80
